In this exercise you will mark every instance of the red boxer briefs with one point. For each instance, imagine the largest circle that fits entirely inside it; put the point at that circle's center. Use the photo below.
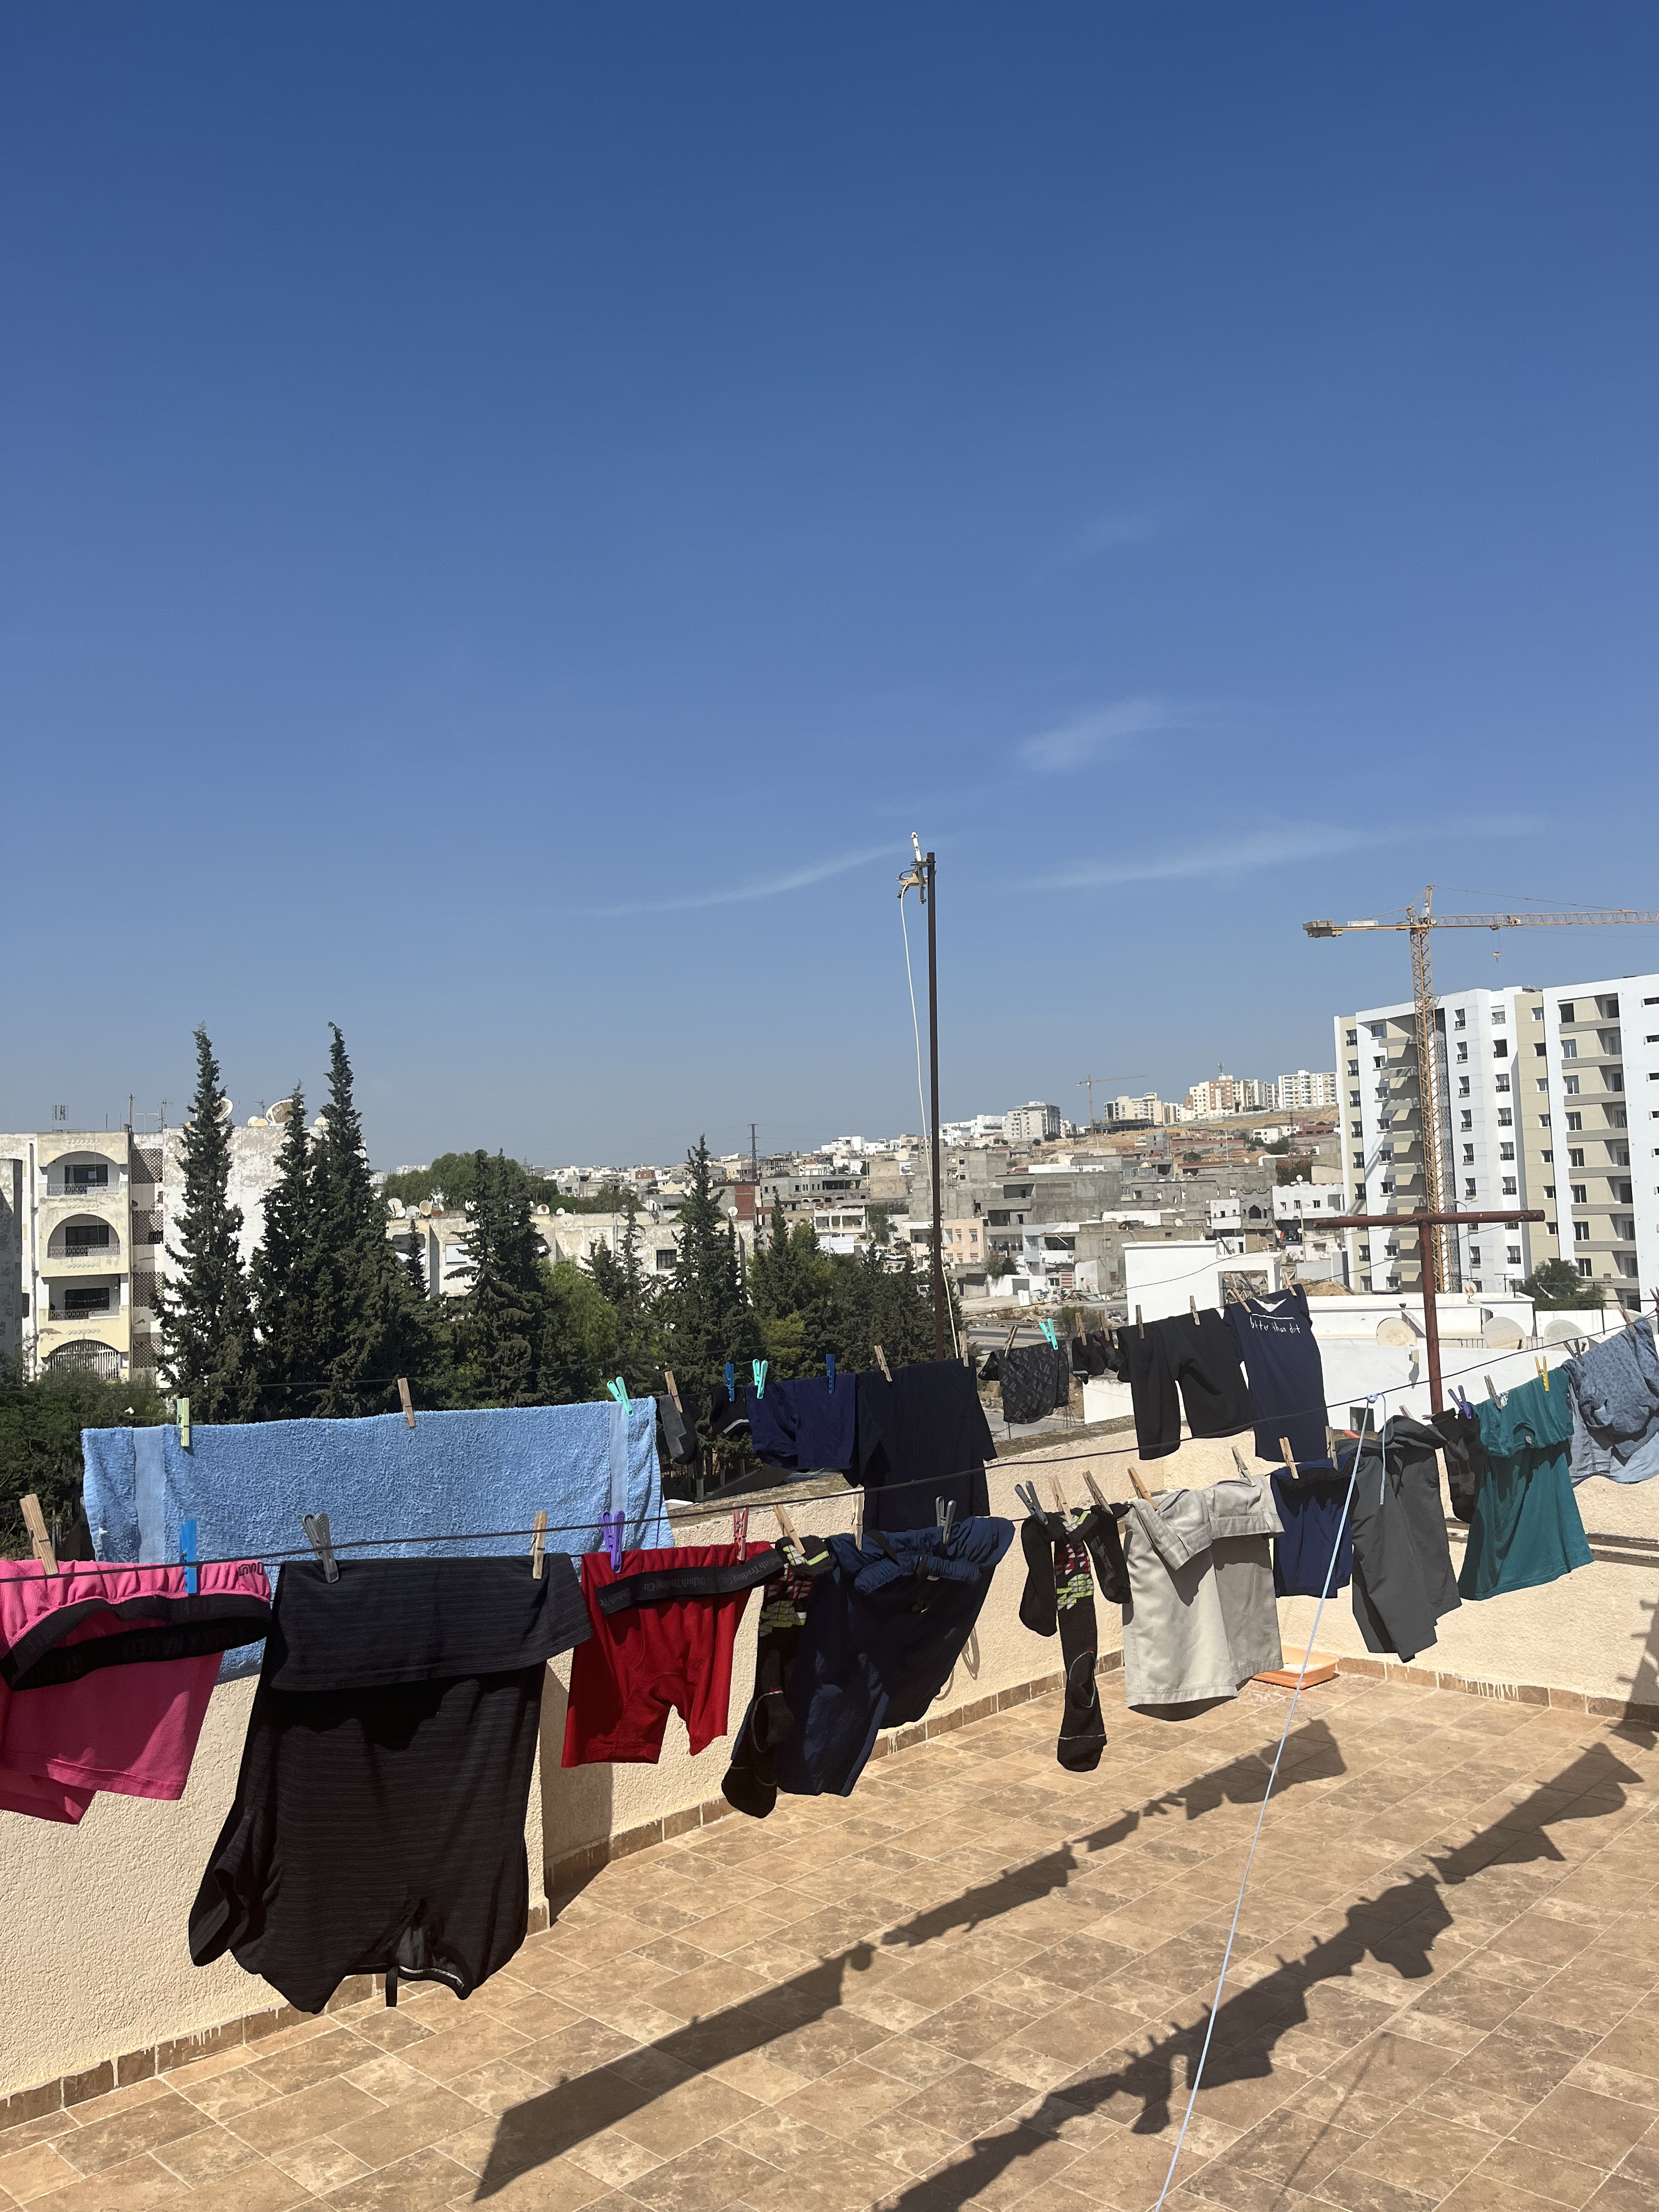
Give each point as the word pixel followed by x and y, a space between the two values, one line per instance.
pixel 650 1659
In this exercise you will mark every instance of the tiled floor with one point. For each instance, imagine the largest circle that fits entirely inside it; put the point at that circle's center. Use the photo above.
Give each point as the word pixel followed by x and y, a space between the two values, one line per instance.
pixel 983 1980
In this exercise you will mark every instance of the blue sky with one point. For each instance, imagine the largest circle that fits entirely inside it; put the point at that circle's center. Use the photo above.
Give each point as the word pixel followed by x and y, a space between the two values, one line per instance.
pixel 513 515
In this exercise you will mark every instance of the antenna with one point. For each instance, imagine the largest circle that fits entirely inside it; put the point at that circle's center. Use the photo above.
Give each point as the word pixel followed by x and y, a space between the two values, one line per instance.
pixel 60 1112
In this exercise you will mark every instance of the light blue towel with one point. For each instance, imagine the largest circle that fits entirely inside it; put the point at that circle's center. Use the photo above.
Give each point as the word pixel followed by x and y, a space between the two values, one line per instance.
pixel 407 1492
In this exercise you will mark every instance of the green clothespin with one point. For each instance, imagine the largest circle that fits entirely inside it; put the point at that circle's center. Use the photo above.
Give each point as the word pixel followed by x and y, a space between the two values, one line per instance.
pixel 759 1366
pixel 618 1390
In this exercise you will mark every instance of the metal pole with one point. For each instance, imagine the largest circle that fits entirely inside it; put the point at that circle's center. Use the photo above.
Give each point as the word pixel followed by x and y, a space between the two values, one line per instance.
pixel 1426 1255
pixel 932 1056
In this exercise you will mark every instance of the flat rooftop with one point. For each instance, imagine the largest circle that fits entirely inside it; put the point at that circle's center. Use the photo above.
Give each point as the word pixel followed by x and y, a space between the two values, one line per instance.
pixel 983 1981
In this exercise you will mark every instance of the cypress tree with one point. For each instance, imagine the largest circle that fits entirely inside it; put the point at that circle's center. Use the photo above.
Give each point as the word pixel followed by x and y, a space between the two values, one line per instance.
pixel 632 1296
pixel 207 1322
pixel 282 1277
pixel 366 1328
pixel 708 1318
pixel 498 1330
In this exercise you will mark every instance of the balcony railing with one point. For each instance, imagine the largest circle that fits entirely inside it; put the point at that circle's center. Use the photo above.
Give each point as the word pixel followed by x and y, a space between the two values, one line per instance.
pixel 112 1193
pixel 102 1260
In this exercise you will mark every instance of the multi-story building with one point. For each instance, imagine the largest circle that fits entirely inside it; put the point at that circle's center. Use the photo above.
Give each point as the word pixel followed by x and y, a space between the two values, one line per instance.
pixel 88 1242
pixel 1302 1090
pixel 1537 1087
pixel 1034 1124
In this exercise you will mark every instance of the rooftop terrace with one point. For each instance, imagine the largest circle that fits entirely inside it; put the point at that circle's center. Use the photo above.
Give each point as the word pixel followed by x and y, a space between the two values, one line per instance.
pixel 983 1981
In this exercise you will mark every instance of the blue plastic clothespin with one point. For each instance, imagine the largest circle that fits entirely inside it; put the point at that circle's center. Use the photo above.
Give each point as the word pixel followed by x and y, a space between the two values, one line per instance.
pixel 760 1367
pixel 830 1363
pixel 1047 1329
pixel 618 1390
pixel 187 1553
pixel 731 1382
pixel 610 1534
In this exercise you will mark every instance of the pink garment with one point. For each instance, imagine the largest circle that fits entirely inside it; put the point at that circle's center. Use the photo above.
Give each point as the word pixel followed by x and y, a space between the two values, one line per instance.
pixel 129 1722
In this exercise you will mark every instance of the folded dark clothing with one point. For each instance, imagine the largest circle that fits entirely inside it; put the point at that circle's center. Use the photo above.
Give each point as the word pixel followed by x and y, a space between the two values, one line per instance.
pixel 679 1438
pixel 1465 1455
pixel 666 1585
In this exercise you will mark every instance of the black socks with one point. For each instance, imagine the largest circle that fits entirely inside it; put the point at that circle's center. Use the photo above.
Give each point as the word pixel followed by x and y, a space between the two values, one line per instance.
pixel 750 1782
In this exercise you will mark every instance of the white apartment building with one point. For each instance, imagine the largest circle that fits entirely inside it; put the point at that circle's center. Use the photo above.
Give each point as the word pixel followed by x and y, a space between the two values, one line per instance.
pixel 1034 1124
pixel 1304 1090
pixel 1546 1096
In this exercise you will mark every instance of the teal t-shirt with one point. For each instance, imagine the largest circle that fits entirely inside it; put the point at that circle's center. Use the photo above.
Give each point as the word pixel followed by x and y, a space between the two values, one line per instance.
pixel 1526 1529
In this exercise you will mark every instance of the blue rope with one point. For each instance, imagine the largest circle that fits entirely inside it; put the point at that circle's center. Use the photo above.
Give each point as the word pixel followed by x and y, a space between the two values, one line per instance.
pixel 1226 1956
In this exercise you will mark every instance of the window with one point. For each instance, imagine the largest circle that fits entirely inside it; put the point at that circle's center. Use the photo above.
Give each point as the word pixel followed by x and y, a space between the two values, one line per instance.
pixel 1619 1154
pixel 81 1299
pixel 1613 1078
pixel 1513 1251
pixel 1500 1047
pixel 1459 1019
pixel 1549 1190
pixel 1353 1098
pixel 1499 1017
pixel 1540 1050
pixel 1379 1030
pixel 1469 1156
pixel 1359 1159
pixel 1466 1121
pixel 1570 1085
pixel 1506 1151
pixel 1581 1235
pixel 1617 1118
pixel 1543 1123
pixel 1462 1051
pixel 1607 1008
pixel 1574 1156
pixel 1468 1186
pixel 1506 1118
pixel 1350 1036
pixel 1474 1256
pixel 1353 1067
pixel 1586 1267
pixel 1623 1192
pixel 1575 1121
pixel 1564 1009
pixel 1538 1013
pixel 1569 1048
pixel 1508 1186
pixel 1611 1041
pixel 1462 1086
pixel 84 1236
pixel 1579 1190
pixel 1543 1084
pixel 1547 1157
pixel 1500 1083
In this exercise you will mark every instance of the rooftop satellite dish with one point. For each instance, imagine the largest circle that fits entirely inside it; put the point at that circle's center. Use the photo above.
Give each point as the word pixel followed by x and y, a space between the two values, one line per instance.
pixel 1501 1334
pixel 1395 1328
pixel 1564 1329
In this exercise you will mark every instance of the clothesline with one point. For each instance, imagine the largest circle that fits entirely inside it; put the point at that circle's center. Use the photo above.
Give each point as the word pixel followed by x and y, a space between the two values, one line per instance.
pixel 713 1512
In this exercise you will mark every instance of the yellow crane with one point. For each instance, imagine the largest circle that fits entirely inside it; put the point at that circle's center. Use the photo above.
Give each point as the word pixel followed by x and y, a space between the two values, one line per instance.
pixel 1418 921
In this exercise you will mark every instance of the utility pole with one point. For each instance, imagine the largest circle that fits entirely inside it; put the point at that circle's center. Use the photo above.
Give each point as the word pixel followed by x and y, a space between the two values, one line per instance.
pixel 920 879
pixel 754 1176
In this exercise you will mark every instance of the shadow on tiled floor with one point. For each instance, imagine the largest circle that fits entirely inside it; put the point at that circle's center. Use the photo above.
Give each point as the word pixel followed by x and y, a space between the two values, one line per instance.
pixel 983 1981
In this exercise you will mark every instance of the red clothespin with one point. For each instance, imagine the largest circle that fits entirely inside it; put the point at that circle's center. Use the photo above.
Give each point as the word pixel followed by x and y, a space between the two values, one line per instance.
pixel 739 1526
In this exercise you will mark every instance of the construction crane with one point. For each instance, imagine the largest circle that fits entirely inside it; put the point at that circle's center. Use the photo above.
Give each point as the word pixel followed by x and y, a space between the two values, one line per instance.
pixel 1102 1079
pixel 1418 921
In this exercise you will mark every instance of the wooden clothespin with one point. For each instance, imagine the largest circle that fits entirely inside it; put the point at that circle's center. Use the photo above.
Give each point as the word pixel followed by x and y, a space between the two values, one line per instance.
pixel 1093 1488
pixel 39 1536
pixel 316 1528
pixel 1490 1393
pixel 1238 1461
pixel 184 1425
pixel 1289 1456
pixel 408 1402
pixel 881 1361
pixel 1141 1490
pixel 791 1540
pixel 1139 1324
pixel 1541 1366
pixel 1060 1506
pixel 537 1542
pixel 1192 1305
pixel 673 1387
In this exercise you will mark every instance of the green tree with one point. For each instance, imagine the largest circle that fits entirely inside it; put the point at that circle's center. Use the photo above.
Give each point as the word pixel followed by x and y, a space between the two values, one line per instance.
pixel 281 1275
pixel 498 1328
pixel 450 1176
pixel 367 1326
pixel 790 1282
pixel 1558 1284
pixel 579 1351
pixel 621 1279
pixel 207 1321
pixel 706 1316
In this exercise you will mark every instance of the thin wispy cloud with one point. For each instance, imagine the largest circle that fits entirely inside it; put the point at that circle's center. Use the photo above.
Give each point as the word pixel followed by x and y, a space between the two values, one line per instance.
pixel 1270 846
pixel 1106 732
pixel 794 879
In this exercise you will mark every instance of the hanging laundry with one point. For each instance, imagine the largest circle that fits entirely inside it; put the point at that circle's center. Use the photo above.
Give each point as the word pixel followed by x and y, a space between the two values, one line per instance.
pixel 1614 1386
pixel 1036 1381
pixel 751 1785
pixel 1199 1355
pixel 250 1484
pixel 921 1437
pixel 1465 1456
pixel 1402 1572
pixel 886 1626
pixel 1525 1530
pixel 105 1678
pixel 805 1424
pixel 1060 1594
pixel 675 1432
pixel 1313 1510
pixel 379 1821
pixel 1275 1340
pixel 1201 1618
pixel 728 1416
pixel 663 1629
